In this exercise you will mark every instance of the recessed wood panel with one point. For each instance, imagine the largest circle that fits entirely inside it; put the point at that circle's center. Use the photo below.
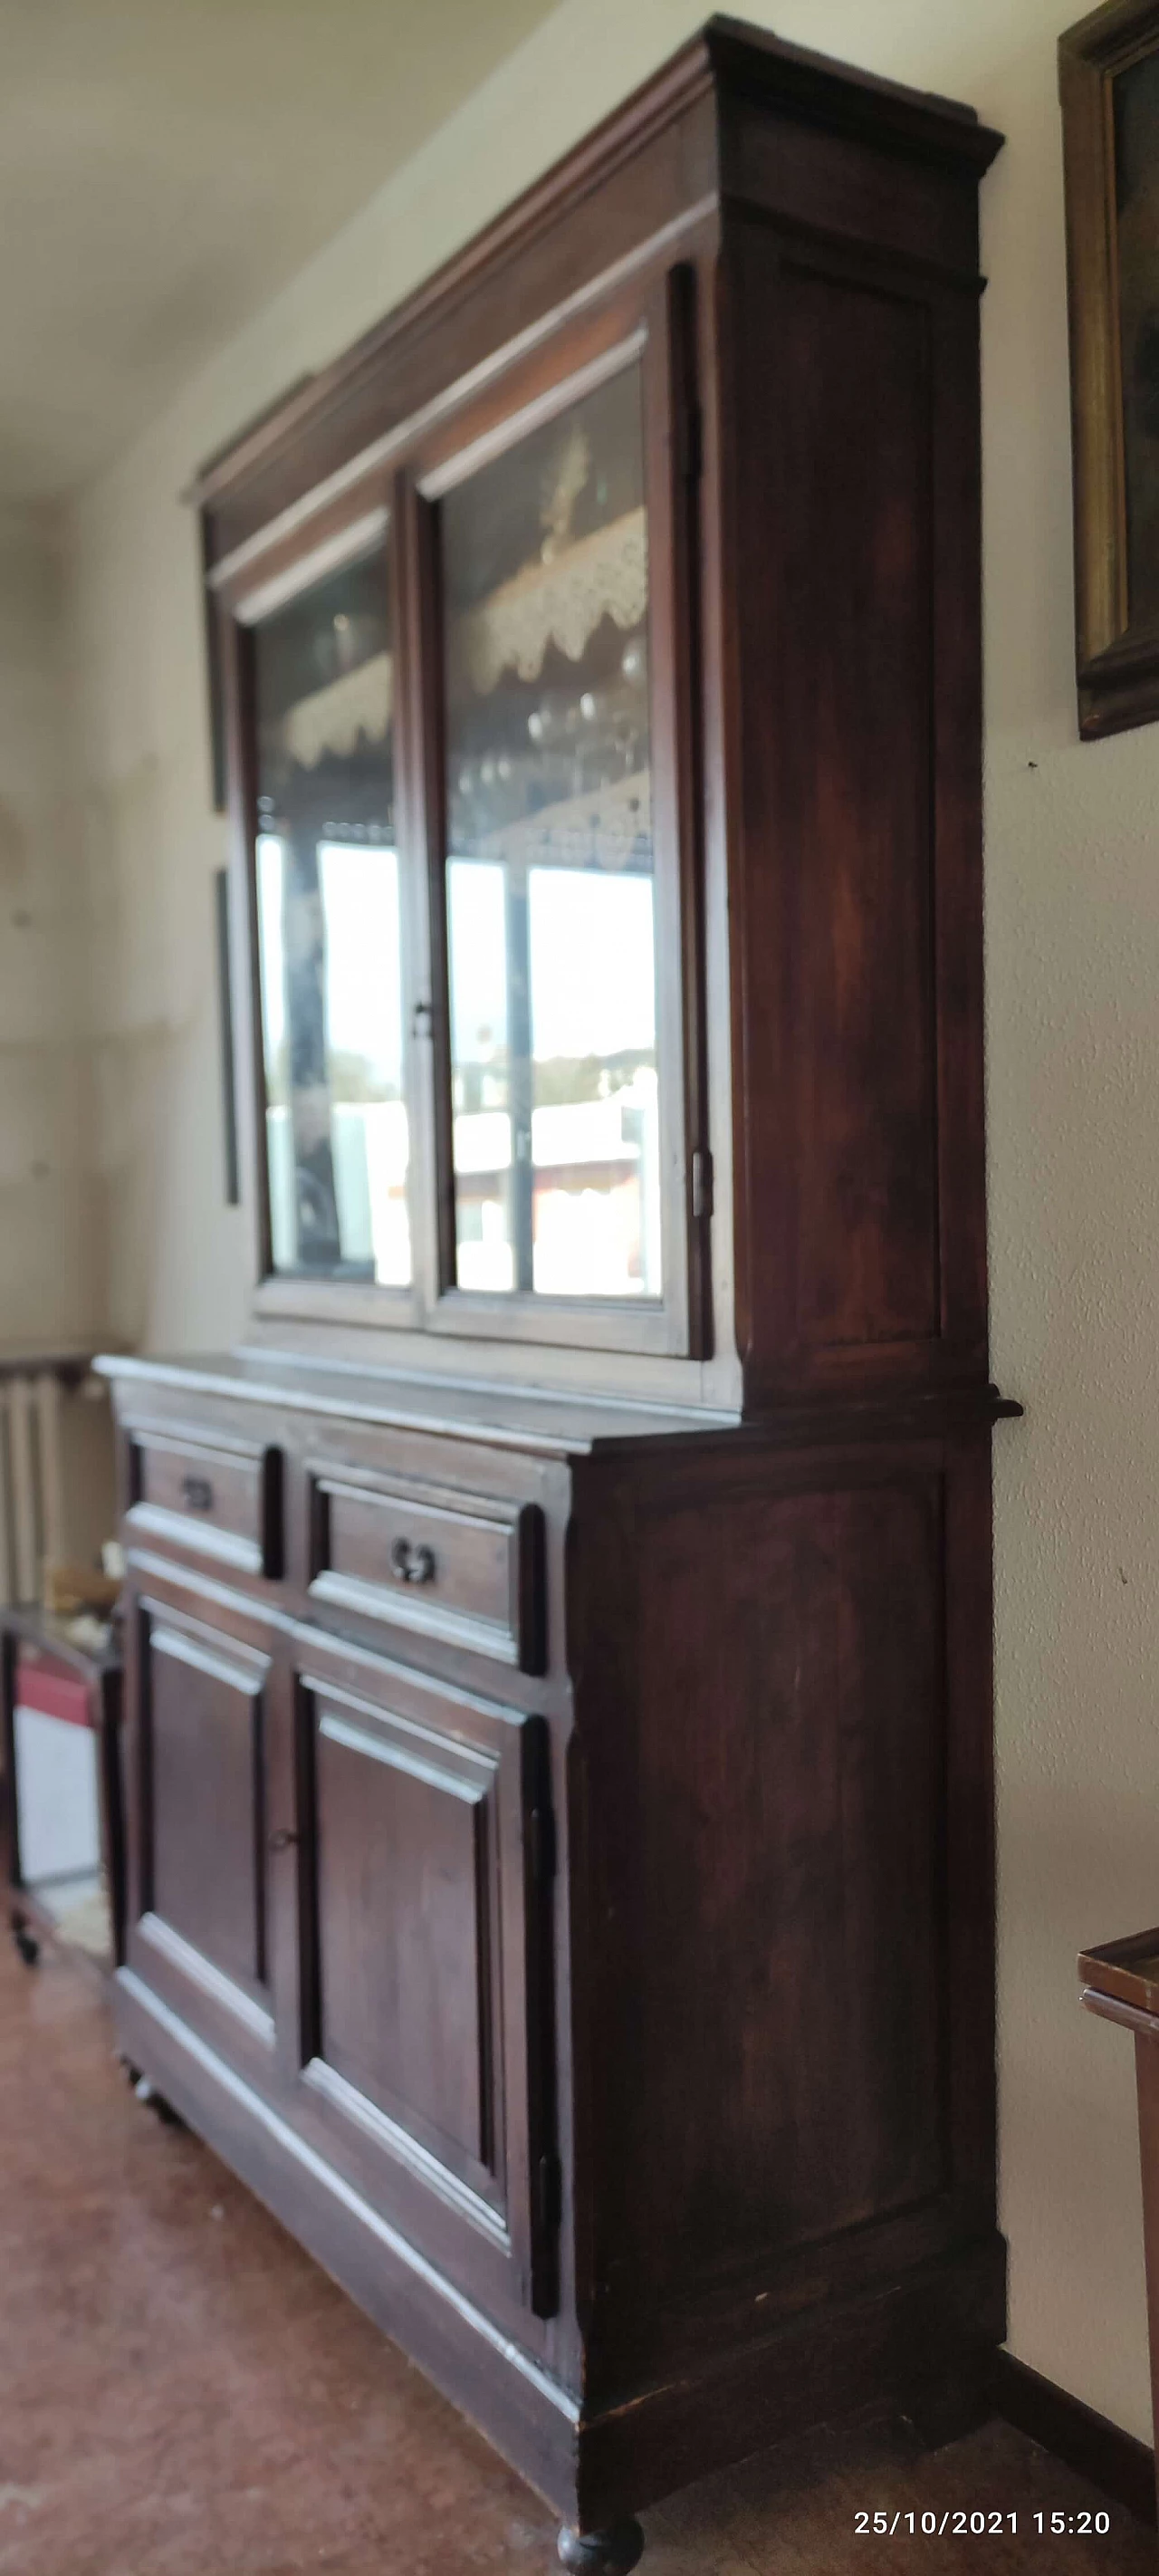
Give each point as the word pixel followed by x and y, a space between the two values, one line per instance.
pixel 425 2047
pixel 771 2001
pixel 855 755
pixel 207 1777
pixel 405 1900
pixel 836 498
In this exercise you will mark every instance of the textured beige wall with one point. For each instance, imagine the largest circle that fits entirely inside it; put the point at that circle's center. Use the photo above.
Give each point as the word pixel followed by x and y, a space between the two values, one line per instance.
pixel 45 1197
pixel 1073 931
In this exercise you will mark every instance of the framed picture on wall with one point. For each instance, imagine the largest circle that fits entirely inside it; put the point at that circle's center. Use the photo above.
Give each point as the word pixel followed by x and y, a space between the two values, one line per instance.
pixel 1109 87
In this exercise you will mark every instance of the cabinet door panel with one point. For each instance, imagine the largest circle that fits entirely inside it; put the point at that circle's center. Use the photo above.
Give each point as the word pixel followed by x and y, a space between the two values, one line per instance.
pixel 425 2023
pixel 201 1703
pixel 405 1883
pixel 206 1708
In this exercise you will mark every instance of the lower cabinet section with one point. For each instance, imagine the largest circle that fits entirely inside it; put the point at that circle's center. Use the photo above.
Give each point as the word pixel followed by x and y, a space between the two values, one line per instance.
pixel 620 2035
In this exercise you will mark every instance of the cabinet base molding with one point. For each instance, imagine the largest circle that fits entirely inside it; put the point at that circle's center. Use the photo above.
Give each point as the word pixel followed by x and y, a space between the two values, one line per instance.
pixel 1084 2441
pixel 595 2471
pixel 867 2355
pixel 517 2406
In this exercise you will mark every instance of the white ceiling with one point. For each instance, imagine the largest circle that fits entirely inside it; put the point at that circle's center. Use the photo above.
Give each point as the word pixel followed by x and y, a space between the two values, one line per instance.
pixel 165 165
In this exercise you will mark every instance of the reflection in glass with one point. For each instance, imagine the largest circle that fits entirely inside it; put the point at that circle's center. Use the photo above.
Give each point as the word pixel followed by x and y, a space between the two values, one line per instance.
pixel 328 924
pixel 549 866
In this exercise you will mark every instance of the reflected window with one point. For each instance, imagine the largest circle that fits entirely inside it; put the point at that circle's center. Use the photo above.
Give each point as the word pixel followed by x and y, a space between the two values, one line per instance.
pixel 329 931
pixel 550 865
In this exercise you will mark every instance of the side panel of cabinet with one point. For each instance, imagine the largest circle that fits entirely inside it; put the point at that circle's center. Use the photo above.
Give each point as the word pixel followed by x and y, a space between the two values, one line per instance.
pixel 201 1702
pixel 851 453
pixel 424 2063
pixel 786 1880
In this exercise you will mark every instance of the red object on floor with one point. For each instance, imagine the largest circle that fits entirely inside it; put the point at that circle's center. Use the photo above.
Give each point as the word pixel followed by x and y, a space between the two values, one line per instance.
pixel 52 1690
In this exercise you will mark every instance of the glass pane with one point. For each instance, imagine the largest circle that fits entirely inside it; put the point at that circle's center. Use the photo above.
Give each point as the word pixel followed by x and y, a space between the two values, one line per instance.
pixel 328 922
pixel 549 864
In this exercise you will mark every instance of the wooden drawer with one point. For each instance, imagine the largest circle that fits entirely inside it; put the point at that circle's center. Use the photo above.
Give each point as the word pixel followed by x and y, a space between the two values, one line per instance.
pixel 221 1496
pixel 460 1568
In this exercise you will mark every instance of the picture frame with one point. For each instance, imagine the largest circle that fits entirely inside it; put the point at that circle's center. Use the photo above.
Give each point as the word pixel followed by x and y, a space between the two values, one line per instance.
pixel 1109 91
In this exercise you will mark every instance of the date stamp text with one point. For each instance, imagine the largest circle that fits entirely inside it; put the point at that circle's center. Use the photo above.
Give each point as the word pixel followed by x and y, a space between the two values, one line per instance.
pixel 963 2522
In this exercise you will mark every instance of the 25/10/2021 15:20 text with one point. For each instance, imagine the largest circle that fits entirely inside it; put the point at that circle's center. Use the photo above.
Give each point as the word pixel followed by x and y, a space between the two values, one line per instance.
pixel 959 2522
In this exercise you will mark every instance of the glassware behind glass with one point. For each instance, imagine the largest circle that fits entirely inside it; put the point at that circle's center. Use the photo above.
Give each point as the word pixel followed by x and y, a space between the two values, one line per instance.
pixel 550 863
pixel 329 930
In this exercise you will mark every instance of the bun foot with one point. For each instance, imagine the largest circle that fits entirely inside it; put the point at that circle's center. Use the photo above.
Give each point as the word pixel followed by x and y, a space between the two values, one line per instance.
pixel 155 2102
pixel 946 2409
pixel 602 2553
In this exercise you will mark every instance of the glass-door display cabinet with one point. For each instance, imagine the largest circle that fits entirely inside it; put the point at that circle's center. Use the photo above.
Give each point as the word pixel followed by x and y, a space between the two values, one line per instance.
pixel 558 1640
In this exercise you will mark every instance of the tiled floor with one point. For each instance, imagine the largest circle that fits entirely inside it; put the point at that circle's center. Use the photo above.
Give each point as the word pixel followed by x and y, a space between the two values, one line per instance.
pixel 182 2393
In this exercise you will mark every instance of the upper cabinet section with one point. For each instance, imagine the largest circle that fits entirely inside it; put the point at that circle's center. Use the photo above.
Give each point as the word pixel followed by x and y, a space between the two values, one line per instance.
pixel 599 642
pixel 466 857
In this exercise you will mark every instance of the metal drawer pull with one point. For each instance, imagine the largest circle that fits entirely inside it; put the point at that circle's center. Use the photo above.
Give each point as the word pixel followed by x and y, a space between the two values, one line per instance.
pixel 282 1839
pixel 410 1564
pixel 197 1492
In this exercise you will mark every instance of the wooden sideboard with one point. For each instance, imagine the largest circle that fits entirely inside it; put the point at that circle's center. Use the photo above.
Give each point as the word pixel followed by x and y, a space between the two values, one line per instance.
pixel 558 1643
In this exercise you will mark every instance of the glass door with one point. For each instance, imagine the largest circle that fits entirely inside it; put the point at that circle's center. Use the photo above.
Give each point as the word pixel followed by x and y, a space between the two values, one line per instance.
pixel 558 893
pixel 328 911
pixel 550 865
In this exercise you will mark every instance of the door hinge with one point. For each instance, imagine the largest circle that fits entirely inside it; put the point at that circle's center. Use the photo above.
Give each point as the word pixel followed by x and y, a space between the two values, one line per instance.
pixel 701 1182
pixel 541 1844
pixel 548 2194
pixel 689 442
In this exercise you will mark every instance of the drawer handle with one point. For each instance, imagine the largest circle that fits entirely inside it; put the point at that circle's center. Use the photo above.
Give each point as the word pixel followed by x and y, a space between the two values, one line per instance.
pixel 197 1493
pixel 410 1564
pixel 282 1839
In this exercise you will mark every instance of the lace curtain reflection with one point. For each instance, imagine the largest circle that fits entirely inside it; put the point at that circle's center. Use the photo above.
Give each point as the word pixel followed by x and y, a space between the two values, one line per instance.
pixel 560 603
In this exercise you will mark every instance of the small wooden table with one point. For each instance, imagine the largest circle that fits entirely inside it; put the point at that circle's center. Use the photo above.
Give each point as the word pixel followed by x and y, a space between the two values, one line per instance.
pixel 1120 1982
pixel 49 1680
